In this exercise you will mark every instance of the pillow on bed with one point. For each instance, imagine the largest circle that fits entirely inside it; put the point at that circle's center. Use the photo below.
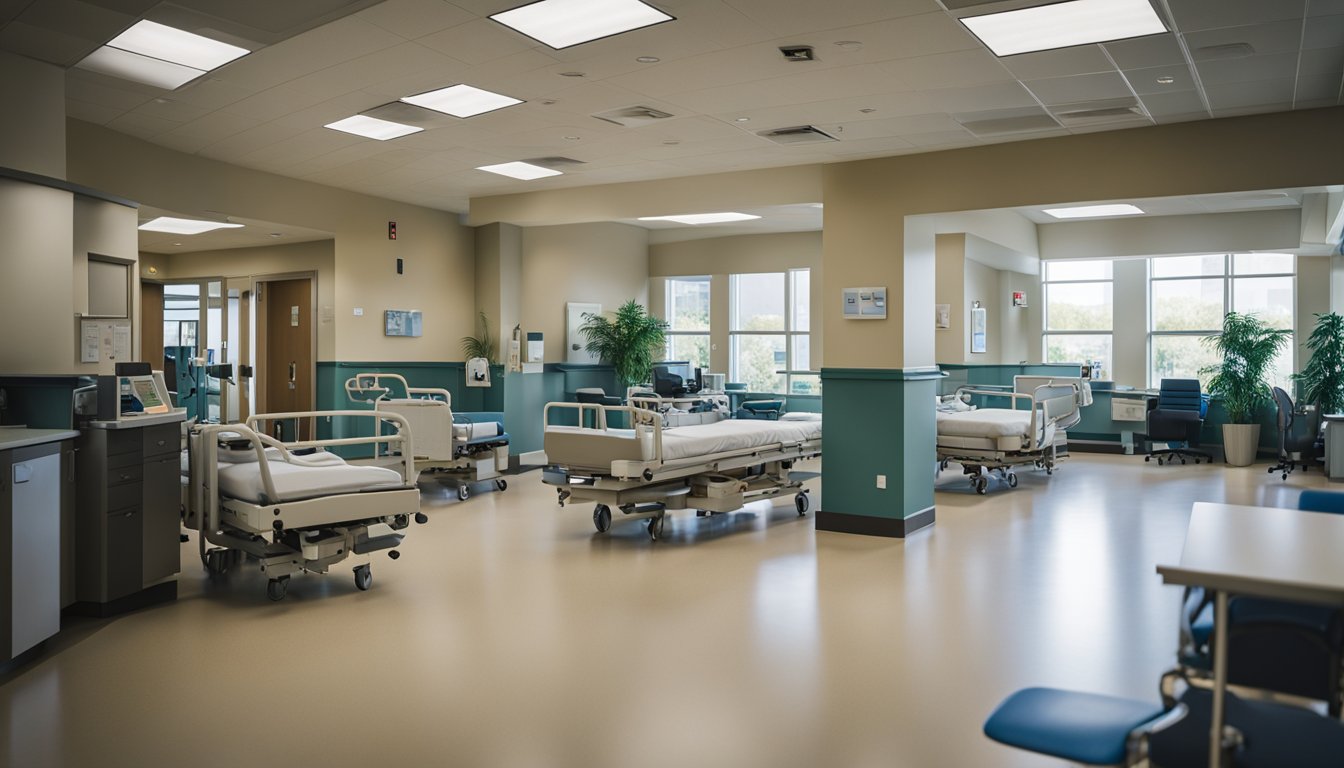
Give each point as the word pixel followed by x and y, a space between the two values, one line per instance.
pixel 953 404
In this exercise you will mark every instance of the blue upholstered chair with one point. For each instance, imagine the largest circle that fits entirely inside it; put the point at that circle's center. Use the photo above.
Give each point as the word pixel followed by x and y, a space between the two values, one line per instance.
pixel 1175 418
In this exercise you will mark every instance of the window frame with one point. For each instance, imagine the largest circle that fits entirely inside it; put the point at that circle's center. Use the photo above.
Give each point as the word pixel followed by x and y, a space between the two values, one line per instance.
pixel 789 334
pixel 1047 332
pixel 669 309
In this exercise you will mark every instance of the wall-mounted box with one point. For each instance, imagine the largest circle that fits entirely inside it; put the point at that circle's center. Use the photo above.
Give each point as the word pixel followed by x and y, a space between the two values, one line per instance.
pixel 1128 409
pixel 865 303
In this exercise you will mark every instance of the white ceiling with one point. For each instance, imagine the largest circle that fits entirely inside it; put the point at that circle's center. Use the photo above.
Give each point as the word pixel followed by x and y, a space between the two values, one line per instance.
pixel 252 234
pixel 916 81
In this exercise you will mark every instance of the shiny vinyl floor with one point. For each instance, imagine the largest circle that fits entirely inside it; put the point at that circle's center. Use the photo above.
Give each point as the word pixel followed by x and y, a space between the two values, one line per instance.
pixel 511 634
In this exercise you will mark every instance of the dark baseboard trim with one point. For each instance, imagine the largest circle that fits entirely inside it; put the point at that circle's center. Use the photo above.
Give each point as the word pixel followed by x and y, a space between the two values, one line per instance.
pixel 1098 447
pixel 163 592
pixel 867 525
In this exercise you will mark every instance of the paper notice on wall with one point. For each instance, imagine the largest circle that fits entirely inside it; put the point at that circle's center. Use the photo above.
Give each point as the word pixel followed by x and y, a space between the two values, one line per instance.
pixel 89 341
pixel 121 341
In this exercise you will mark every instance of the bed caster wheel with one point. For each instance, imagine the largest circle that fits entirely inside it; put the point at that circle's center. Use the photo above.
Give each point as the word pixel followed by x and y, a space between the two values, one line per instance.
pixel 394 554
pixel 602 518
pixel 1147 458
pixel 656 527
pixel 463 492
pixel 363 577
pixel 1012 481
pixel 421 518
pixel 800 503
pixel 1049 471
pixel 276 588
pixel 1271 470
pixel 217 562
pixel 1182 461
pixel 502 484
pixel 981 485
pixel 1159 461
pixel 1285 475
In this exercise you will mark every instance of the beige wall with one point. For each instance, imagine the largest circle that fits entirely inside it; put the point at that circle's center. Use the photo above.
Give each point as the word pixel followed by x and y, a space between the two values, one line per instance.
pixel 1172 235
pixel 105 229
pixel 605 264
pixel 865 240
pixel 962 279
pixel 36 303
pixel 949 287
pixel 438 250
pixel 247 264
pixel 719 257
pixel 1313 298
pixel 32 133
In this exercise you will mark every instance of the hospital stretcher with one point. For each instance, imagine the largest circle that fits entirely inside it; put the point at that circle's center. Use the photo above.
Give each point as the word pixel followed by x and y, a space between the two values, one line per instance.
pixel 290 509
pixel 647 469
pixel 467 451
pixel 995 440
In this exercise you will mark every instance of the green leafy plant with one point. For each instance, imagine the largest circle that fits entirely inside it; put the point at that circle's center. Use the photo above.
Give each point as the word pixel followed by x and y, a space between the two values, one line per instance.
pixel 1247 347
pixel 630 341
pixel 1322 380
pixel 480 346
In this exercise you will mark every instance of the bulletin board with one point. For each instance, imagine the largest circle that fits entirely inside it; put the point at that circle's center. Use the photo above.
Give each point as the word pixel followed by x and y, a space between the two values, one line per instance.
pixel 101 340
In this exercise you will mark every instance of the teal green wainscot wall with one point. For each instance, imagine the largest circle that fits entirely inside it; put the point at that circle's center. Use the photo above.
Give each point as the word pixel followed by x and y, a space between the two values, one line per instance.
pixel 878 422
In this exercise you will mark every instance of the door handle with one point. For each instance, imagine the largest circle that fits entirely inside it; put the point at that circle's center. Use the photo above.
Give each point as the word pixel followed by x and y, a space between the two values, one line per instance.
pixel 22 473
pixel 293 374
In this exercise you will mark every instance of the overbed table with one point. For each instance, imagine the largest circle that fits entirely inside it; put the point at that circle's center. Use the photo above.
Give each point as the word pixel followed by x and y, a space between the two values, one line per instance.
pixel 1263 551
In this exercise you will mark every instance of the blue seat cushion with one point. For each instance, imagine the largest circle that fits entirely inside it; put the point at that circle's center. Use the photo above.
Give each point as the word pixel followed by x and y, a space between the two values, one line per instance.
pixel 1087 728
pixel 1275 735
pixel 1201 626
pixel 1321 501
pixel 1245 611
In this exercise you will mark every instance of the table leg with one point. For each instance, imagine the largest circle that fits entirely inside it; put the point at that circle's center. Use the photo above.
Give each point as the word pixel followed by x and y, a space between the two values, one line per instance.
pixel 1219 679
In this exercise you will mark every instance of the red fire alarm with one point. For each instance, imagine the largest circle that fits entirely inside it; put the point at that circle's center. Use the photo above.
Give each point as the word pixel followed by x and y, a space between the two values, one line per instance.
pixel 391 230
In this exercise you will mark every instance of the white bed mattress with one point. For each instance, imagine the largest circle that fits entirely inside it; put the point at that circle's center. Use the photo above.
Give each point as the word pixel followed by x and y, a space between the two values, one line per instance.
pixel 735 435
pixel 294 482
pixel 988 429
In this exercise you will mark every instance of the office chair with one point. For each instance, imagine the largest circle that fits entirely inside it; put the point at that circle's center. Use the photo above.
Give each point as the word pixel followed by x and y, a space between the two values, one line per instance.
pixel 1275 645
pixel 1288 444
pixel 1175 418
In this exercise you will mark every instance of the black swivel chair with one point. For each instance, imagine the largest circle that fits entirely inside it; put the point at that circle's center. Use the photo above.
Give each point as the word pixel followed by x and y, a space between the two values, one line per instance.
pixel 1289 444
pixel 1176 417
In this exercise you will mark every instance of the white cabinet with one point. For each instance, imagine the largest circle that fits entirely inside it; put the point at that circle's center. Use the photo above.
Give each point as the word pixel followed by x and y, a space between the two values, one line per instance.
pixel 35 568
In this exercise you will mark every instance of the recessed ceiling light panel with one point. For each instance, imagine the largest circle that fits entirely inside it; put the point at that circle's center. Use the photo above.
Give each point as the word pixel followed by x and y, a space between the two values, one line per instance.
pixel 178 226
pixel 563 23
pixel 702 218
pixel 462 101
pixel 140 69
pixel 373 128
pixel 149 38
pixel 1060 25
pixel 1091 211
pixel 519 170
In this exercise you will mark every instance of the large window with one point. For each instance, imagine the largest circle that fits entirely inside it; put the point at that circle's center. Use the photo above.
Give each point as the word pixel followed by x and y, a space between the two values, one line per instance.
pixel 688 320
pixel 1189 295
pixel 770 349
pixel 1078 312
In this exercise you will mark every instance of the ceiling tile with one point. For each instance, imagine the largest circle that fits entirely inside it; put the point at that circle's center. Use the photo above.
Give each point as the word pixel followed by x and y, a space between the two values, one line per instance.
pixel 99 91
pixel 1079 88
pixel 1231 96
pixel 1317 88
pixel 1322 61
pixel 922 35
pixel 1251 68
pixel 1148 51
pixel 980 97
pixel 477 42
pixel 213 127
pixel 315 50
pixel 789 17
pixel 1323 32
pixel 1325 7
pixel 1078 60
pixel 415 18
pixel 43 44
pixel 1173 103
pixel 1192 15
pixel 949 70
pixel 90 112
pixel 1144 81
pixel 1254 109
pixel 1274 37
pixel 142 125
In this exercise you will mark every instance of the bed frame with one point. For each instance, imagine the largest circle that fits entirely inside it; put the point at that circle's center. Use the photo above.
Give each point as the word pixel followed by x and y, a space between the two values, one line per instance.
pixel 1053 406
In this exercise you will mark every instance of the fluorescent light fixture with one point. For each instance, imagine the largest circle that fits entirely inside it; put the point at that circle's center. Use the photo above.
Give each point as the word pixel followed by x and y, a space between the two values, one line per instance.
pixel 519 170
pixel 461 101
pixel 178 226
pixel 148 38
pixel 373 128
pixel 1090 211
pixel 702 218
pixel 141 69
pixel 1060 25
pixel 562 23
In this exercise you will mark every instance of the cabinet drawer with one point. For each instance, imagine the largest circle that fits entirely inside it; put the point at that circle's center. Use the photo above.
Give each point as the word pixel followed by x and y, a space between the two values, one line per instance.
pixel 163 438
pixel 130 473
pixel 122 441
pixel 121 497
pixel 124 459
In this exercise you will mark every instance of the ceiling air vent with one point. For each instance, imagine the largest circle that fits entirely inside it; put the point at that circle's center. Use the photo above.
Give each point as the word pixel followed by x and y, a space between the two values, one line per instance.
pixel 1098 112
pixel 555 162
pixel 1224 51
pixel 1004 125
pixel 633 117
pixel 799 134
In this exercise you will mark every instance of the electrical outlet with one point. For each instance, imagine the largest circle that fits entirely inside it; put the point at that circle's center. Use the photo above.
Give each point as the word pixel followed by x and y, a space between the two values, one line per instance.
pixel 882 482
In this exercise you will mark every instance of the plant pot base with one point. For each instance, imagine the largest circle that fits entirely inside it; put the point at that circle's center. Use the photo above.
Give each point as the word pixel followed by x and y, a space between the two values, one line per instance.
pixel 1240 443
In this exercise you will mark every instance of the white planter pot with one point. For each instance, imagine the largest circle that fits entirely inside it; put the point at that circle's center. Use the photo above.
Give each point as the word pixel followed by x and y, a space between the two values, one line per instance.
pixel 1239 443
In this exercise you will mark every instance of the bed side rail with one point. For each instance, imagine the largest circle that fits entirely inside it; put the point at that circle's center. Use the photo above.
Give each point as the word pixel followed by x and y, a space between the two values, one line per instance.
pixel 1049 404
pixel 400 440
pixel 637 418
pixel 373 387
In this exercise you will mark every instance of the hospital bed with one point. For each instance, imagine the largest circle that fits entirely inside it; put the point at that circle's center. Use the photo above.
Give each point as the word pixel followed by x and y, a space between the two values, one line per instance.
pixel 649 468
pixel 467 451
pixel 294 506
pixel 995 440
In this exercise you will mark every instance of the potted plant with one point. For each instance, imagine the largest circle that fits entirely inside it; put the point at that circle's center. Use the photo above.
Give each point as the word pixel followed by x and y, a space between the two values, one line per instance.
pixel 480 346
pixel 1322 380
pixel 1247 347
pixel 629 342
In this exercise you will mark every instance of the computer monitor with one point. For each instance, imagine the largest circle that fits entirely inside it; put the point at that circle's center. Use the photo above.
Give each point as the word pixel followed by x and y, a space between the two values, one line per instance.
pixel 674 379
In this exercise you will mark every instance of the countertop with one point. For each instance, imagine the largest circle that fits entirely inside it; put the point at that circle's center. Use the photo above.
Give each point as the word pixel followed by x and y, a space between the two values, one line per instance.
pixel 147 420
pixel 22 437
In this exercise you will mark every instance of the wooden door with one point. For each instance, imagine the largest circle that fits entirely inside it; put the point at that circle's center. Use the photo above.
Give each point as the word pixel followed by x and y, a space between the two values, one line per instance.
pixel 288 375
pixel 151 326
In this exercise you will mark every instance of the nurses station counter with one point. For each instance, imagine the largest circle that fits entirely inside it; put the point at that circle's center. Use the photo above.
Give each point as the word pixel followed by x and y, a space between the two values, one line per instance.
pixel 36 478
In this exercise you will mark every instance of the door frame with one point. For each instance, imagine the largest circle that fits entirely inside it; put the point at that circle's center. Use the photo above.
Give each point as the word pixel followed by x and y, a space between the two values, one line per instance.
pixel 257 345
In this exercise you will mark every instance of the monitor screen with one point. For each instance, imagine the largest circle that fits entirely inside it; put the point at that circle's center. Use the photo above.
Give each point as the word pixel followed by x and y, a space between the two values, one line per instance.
pixel 673 379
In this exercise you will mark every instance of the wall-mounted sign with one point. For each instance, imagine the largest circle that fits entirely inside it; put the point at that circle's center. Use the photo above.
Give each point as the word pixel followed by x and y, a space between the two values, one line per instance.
pixel 865 303
pixel 942 316
pixel 1019 298
pixel 978 324
pixel 402 322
